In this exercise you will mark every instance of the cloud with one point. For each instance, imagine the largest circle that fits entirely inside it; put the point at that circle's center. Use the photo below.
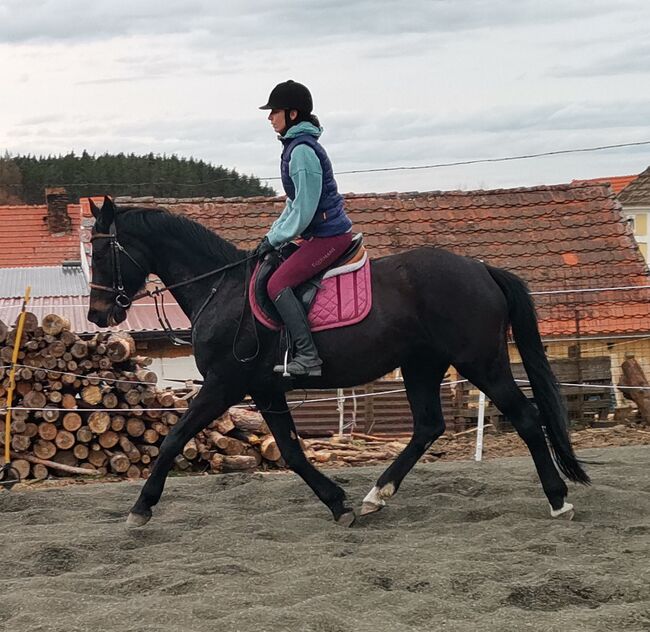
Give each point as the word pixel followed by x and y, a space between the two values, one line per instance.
pixel 395 83
pixel 633 59
pixel 77 20
pixel 259 23
pixel 414 126
pixel 353 140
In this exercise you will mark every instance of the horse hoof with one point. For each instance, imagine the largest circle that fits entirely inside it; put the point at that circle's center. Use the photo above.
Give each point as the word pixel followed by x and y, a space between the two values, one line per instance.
pixel 135 521
pixel 370 507
pixel 374 500
pixel 346 519
pixel 566 512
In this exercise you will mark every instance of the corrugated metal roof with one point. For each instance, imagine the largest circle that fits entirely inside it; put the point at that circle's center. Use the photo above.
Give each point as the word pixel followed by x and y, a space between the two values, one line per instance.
pixel 141 317
pixel 44 281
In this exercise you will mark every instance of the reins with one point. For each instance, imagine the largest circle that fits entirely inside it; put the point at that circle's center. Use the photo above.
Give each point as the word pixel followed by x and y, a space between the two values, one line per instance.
pixel 123 300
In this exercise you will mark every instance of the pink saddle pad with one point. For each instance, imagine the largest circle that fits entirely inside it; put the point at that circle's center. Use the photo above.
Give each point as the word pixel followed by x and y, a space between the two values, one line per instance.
pixel 342 300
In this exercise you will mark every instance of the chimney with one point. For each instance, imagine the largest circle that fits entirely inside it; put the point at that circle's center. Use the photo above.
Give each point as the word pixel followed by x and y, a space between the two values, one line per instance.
pixel 58 220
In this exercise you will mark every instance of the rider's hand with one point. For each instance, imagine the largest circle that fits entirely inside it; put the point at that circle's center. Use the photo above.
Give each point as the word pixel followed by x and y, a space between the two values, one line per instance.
pixel 263 248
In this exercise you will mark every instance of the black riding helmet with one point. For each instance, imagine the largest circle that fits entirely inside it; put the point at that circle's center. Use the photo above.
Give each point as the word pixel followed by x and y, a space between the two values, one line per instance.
pixel 290 95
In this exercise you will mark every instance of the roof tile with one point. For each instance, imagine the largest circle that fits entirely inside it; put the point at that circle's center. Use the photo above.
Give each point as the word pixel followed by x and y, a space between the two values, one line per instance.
pixel 618 183
pixel 25 240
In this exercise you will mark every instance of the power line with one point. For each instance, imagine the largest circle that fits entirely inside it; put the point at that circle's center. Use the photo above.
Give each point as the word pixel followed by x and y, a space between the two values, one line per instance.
pixel 356 171
pixel 502 159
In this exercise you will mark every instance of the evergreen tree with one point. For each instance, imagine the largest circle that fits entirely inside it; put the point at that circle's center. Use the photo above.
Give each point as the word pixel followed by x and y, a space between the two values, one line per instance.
pixel 11 181
pixel 120 174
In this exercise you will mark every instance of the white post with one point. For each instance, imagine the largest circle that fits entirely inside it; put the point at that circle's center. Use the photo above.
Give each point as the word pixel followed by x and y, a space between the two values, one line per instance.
pixel 480 424
pixel 340 405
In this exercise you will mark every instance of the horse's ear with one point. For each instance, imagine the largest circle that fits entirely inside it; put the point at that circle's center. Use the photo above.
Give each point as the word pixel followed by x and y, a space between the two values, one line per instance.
pixel 94 209
pixel 108 210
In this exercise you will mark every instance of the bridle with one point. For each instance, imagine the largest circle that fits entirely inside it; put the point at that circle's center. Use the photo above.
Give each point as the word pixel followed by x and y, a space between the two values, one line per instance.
pixel 120 297
pixel 124 301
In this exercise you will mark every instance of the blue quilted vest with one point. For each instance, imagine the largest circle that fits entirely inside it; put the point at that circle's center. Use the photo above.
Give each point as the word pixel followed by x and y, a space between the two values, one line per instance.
pixel 330 218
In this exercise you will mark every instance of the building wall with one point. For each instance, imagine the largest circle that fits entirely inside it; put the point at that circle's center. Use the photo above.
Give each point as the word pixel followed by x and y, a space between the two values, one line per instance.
pixel 640 221
pixel 173 364
pixel 172 372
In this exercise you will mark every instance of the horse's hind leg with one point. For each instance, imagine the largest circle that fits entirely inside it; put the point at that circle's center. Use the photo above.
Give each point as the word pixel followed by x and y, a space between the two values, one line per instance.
pixel 499 385
pixel 422 378
pixel 273 407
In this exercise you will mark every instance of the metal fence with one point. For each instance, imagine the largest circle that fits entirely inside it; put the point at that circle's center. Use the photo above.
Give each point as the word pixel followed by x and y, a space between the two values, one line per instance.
pixel 591 371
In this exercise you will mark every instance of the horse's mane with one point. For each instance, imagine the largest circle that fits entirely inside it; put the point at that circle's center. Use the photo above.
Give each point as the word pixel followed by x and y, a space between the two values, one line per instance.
pixel 201 240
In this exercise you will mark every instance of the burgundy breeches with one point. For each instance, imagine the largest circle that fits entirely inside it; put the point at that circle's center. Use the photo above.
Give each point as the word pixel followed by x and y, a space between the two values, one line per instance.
pixel 314 255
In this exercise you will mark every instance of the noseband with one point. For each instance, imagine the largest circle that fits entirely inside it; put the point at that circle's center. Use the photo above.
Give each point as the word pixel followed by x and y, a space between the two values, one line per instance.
pixel 121 298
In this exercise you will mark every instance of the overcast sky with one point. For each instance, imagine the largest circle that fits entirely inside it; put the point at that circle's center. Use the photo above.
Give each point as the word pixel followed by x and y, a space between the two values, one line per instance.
pixel 394 83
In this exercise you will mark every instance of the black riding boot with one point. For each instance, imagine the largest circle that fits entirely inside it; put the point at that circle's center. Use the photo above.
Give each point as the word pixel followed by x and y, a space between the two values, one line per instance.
pixel 306 360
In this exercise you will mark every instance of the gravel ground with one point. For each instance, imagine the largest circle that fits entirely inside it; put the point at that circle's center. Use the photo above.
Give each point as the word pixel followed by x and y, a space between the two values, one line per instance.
pixel 462 546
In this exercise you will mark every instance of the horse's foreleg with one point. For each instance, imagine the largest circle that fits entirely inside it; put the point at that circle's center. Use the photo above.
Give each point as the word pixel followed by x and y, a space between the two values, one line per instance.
pixel 422 381
pixel 212 401
pixel 276 414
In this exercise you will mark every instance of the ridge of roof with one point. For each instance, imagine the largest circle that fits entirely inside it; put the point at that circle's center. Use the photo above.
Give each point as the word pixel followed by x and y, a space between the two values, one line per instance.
pixel 388 195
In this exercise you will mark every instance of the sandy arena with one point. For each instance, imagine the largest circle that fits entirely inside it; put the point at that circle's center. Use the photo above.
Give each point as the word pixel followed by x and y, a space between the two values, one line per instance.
pixel 462 547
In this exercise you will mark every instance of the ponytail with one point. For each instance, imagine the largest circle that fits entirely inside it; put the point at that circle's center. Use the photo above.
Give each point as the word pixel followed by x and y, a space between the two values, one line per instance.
pixel 310 118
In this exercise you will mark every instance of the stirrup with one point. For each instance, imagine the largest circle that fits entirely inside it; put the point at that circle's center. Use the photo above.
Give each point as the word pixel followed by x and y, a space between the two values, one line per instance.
pixel 294 368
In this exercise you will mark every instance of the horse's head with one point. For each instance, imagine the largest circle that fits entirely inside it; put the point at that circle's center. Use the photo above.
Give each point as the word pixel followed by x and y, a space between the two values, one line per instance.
pixel 119 267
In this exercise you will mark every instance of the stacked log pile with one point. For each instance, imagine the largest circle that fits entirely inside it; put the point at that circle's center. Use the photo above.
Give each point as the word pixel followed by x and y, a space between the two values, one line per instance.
pixel 93 404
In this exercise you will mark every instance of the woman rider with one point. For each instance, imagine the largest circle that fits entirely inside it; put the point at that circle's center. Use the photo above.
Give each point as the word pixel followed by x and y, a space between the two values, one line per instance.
pixel 314 211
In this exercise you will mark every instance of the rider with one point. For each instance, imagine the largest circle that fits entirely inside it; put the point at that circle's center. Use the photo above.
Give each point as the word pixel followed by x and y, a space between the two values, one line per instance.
pixel 314 211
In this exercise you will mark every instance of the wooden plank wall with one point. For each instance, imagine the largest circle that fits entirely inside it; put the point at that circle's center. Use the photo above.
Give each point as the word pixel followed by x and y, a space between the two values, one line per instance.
pixel 379 414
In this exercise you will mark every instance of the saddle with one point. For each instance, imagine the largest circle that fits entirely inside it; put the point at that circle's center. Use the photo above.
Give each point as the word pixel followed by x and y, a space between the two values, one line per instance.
pixel 353 260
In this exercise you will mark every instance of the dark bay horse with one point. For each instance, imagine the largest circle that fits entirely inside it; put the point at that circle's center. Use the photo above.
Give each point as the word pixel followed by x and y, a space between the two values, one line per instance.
pixel 432 309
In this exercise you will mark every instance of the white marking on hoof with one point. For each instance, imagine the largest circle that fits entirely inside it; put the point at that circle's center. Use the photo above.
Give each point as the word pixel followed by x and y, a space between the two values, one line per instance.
pixel 134 521
pixel 374 501
pixel 347 519
pixel 566 512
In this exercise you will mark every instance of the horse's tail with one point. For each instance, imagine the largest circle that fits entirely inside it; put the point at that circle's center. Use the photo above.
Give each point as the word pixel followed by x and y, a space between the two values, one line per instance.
pixel 553 413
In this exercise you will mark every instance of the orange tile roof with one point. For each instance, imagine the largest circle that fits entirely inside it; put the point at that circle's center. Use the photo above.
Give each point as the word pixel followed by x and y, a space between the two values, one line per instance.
pixel 618 183
pixel 558 237
pixel 25 240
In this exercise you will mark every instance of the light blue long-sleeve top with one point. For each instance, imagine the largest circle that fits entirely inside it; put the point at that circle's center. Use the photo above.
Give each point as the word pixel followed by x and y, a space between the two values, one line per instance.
pixel 307 176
